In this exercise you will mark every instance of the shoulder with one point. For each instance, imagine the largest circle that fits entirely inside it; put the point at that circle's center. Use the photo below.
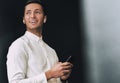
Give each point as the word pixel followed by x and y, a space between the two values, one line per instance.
pixel 50 48
pixel 19 42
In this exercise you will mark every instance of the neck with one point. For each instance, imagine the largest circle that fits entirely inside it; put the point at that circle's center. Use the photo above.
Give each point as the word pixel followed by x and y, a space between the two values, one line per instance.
pixel 36 32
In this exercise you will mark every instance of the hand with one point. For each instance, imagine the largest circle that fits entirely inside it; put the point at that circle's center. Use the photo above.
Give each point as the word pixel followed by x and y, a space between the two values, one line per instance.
pixel 65 77
pixel 58 70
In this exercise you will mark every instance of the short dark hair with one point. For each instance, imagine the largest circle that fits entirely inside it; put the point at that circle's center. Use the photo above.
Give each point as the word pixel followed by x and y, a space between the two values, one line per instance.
pixel 42 3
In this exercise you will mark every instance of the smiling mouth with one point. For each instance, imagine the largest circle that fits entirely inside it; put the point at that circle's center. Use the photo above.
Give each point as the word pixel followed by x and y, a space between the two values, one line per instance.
pixel 33 22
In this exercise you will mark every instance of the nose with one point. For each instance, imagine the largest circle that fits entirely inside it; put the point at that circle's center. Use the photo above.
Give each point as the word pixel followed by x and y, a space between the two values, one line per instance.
pixel 32 15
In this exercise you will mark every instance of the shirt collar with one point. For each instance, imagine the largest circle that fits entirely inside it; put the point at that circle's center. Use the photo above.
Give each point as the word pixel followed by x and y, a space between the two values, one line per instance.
pixel 33 36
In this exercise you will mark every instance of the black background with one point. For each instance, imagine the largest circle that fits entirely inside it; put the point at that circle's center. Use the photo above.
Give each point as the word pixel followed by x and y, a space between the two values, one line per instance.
pixel 63 32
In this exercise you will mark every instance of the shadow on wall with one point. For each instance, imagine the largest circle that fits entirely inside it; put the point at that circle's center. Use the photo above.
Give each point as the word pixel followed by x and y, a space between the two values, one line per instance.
pixel 5 41
pixel 7 34
pixel 102 18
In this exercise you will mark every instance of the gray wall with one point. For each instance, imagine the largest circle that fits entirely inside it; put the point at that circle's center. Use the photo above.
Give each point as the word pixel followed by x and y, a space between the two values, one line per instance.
pixel 102 29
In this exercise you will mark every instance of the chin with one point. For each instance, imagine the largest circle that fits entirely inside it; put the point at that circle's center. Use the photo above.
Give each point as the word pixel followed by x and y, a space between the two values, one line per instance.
pixel 35 28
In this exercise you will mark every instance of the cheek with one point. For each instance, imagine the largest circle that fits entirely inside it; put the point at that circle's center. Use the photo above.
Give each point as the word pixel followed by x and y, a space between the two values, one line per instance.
pixel 41 19
pixel 27 18
pixel 26 21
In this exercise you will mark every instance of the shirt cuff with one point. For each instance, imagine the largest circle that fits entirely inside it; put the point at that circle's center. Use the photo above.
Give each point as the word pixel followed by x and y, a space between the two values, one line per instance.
pixel 41 78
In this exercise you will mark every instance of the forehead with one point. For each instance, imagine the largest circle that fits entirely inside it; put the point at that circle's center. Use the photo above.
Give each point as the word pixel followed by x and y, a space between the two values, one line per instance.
pixel 33 6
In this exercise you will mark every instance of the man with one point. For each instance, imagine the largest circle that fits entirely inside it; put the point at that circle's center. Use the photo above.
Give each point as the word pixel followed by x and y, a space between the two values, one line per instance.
pixel 30 59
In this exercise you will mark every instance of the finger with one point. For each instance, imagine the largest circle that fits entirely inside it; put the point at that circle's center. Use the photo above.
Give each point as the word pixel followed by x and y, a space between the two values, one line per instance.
pixel 59 62
pixel 66 63
pixel 67 67
pixel 66 71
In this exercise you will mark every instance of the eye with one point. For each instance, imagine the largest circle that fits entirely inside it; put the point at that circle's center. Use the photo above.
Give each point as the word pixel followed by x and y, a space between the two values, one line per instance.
pixel 28 13
pixel 37 12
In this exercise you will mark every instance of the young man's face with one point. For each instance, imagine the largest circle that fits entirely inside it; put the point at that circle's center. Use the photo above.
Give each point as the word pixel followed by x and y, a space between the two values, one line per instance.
pixel 34 16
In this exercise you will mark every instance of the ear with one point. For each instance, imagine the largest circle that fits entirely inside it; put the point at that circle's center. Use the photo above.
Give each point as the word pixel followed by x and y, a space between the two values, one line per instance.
pixel 45 19
pixel 23 21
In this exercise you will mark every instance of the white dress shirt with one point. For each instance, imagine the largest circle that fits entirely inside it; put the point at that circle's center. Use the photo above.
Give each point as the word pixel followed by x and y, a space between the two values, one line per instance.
pixel 29 57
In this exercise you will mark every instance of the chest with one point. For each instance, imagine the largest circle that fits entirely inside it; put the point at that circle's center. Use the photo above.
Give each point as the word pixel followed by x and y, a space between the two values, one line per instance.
pixel 40 54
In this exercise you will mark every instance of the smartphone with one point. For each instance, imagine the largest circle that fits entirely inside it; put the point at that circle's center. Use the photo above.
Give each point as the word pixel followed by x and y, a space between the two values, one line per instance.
pixel 68 59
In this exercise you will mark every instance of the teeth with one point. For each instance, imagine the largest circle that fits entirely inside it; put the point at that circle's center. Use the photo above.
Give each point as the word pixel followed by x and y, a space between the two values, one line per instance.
pixel 33 21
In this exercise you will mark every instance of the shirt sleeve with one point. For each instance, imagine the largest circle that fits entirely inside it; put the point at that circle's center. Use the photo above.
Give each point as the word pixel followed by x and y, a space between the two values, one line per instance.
pixel 17 60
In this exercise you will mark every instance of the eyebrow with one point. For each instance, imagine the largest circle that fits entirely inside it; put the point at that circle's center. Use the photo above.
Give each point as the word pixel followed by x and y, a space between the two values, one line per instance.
pixel 35 10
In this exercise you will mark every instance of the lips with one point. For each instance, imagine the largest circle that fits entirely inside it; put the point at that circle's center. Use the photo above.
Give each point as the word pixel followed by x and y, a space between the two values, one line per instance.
pixel 33 22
